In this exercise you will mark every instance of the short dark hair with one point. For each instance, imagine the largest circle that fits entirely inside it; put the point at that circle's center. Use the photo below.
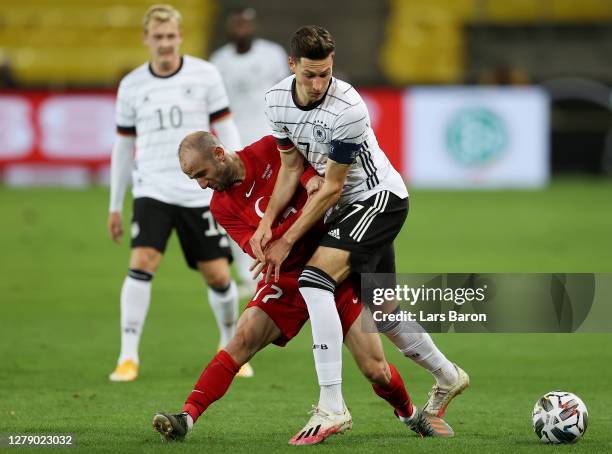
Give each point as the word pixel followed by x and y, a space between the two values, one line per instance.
pixel 312 42
pixel 244 12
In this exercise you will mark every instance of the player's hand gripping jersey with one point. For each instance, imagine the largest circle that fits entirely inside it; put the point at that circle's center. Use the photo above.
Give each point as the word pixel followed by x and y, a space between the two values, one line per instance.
pixel 239 209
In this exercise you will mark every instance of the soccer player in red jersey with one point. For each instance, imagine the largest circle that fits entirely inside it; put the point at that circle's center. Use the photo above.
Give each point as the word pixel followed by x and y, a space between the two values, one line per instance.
pixel 243 183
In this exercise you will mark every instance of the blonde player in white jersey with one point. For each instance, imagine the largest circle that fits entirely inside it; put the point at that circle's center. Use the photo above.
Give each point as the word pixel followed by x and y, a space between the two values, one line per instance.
pixel 158 103
pixel 249 67
pixel 320 120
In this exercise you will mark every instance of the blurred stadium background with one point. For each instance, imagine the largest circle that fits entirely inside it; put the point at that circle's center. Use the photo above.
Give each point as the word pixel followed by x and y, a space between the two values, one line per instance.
pixel 507 98
pixel 60 62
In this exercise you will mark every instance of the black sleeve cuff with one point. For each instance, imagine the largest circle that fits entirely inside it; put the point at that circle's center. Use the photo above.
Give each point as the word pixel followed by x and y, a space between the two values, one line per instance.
pixel 126 130
pixel 284 144
pixel 219 114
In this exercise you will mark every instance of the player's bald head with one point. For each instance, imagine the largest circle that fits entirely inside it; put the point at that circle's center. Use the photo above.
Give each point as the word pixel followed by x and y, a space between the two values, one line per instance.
pixel 202 142
pixel 203 158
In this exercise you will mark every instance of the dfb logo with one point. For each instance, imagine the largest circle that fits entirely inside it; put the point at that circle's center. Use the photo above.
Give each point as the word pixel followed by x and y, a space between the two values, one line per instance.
pixel 321 346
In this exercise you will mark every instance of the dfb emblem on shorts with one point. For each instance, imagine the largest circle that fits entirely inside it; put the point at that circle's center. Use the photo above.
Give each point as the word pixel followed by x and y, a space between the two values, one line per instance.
pixel 135 229
pixel 319 133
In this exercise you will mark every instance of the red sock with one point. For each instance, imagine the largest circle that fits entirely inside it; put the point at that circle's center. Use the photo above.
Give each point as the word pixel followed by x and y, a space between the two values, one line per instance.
pixel 395 393
pixel 212 384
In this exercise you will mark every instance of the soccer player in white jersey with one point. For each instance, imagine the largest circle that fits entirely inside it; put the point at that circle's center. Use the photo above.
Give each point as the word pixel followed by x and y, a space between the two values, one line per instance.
pixel 157 104
pixel 249 67
pixel 323 121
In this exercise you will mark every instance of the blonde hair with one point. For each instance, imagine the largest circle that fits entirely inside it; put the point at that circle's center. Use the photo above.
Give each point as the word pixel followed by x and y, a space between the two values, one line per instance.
pixel 161 13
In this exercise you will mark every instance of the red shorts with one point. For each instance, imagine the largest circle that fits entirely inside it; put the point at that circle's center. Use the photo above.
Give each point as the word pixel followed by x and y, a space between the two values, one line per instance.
pixel 283 303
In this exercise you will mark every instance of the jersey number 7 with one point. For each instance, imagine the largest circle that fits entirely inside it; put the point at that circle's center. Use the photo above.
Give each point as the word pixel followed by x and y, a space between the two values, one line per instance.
pixel 278 293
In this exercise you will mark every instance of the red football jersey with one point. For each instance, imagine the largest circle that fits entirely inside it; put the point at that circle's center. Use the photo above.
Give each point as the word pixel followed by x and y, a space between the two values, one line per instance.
pixel 240 208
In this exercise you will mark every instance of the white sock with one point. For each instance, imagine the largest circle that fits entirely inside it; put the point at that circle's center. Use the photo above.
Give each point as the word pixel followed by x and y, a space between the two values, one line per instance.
pixel 446 375
pixel 330 398
pixel 413 413
pixel 189 420
pixel 135 299
pixel 224 305
pixel 242 262
pixel 327 345
pixel 412 340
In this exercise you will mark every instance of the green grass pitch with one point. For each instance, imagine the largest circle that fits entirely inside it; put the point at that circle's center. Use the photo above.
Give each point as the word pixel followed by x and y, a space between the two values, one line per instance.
pixel 59 332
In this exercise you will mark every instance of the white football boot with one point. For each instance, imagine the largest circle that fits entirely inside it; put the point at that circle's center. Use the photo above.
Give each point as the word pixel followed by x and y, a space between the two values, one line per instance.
pixel 440 396
pixel 322 424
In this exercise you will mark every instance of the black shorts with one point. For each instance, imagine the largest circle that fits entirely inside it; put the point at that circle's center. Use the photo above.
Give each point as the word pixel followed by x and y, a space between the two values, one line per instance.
pixel 201 238
pixel 367 229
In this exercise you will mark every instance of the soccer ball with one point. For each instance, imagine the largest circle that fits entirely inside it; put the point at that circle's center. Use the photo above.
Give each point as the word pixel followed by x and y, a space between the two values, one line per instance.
pixel 559 417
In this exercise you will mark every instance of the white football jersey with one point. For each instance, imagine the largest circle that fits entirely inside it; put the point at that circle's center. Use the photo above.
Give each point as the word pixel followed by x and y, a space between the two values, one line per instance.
pixel 247 77
pixel 338 127
pixel 161 111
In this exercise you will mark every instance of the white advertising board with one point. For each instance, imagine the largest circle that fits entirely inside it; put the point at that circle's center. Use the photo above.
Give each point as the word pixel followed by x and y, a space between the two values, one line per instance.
pixel 474 137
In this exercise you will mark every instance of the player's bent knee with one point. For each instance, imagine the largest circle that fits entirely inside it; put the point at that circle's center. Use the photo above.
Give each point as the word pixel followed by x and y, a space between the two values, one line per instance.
pixel 216 273
pixel 376 372
pixel 218 281
pixel 145 259
pixel 334 262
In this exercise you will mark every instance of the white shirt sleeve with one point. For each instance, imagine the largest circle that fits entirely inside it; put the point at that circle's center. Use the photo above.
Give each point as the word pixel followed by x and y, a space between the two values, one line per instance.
pixel 277 131
pixel 216 100
pixel 226 130
pixel 349 131
pixel 352 124
pixel 125 114
pixel 122 159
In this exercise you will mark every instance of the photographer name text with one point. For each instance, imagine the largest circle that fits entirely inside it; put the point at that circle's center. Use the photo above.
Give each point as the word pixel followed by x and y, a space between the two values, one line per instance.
pixel 421 316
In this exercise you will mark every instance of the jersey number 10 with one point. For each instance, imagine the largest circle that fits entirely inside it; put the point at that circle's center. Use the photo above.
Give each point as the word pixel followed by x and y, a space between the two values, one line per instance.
pixel 175 117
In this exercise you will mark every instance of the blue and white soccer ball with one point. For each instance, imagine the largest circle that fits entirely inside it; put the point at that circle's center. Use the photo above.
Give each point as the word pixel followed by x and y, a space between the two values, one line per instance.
pixel 559 417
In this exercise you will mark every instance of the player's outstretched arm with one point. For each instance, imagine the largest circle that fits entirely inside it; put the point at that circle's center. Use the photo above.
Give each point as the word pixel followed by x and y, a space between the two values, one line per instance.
pixel 242 232
pixel 291 169
pixel 120 175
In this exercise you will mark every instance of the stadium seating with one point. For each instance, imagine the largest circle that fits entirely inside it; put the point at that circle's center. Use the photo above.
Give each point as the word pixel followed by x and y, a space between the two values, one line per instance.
pixel 425 40
pixel 71 42
pixel 584 10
